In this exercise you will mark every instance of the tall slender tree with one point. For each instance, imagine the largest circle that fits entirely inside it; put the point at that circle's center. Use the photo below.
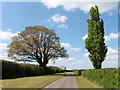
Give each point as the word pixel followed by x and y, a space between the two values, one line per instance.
pixel 95 42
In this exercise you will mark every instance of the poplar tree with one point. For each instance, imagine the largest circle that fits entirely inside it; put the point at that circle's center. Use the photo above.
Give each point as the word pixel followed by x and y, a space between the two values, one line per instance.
pixel 95 42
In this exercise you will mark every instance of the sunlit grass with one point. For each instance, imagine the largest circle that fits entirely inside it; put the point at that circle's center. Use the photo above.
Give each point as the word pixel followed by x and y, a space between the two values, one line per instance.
pixel 0 84
pixel 84 83
pixel 30 82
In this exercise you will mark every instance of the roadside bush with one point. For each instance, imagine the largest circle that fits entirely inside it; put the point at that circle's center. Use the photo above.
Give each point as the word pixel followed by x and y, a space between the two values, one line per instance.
pixel 15 70
pixel 105 77
pixel 53 69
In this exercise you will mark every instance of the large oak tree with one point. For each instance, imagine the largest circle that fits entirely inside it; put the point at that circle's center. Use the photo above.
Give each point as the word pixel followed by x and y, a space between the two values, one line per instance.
pixel 36 43
pixel 95 42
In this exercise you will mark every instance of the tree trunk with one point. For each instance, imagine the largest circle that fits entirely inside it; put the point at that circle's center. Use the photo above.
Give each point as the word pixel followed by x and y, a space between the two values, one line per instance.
pixel 40 62
pixel 44 63
pixel 97 65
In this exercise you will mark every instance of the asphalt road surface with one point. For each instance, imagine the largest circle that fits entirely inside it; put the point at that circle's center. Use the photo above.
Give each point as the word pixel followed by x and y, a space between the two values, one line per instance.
pixel 68 81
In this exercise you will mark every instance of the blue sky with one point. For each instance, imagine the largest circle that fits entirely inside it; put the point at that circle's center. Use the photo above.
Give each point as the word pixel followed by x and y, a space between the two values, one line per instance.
pixel 69 21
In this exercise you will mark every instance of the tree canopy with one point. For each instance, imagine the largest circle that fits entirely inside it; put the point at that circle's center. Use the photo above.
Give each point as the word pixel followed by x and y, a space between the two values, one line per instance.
pixel 36 43
pixel 95 42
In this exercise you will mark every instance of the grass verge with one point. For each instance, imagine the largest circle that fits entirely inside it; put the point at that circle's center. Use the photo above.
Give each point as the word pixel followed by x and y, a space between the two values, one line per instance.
pixel 84 83
pixel 34 82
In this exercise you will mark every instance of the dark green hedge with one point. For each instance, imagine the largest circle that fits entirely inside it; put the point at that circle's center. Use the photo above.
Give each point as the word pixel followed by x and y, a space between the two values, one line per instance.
pixel 105 77
pixel 14 70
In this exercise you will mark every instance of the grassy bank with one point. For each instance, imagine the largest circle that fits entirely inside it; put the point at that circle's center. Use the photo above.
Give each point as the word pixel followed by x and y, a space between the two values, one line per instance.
pixel 84 83
pixel 108 78
pixel 34 82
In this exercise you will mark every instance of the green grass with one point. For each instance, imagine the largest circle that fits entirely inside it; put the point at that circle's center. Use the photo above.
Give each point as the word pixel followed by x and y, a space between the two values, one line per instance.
pixel 84 83
pixel 30 82
pixel 0 84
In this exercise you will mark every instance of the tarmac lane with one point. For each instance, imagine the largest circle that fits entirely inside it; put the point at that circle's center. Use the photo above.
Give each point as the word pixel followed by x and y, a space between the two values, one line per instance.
pixel 65 83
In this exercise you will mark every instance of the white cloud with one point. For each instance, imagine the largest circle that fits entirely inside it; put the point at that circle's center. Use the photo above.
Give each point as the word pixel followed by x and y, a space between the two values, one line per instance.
pixel 84 37
pixel 53 4
pixel 86 54
pixel 59 18
pixel 111 58
pixel 70 48
pixel 112 36
pixel 3 50
pixel 75 49
pixel 112 53
pixel 6 35
pixel 62 26
pixel 69 59
pixel 71 63
pixel 84 6
pixel 2 45
pixel 66 45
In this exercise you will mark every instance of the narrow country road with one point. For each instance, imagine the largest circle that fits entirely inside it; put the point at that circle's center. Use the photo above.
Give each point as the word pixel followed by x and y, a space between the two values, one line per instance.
pixel 68 81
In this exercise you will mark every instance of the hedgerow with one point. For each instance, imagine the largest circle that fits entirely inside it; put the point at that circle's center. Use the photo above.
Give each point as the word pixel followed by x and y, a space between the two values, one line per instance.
pixel 14 70
pixel 108 78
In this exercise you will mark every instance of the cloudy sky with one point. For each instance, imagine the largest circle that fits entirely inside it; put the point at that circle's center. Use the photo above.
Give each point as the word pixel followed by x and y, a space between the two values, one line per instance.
pixel 68 19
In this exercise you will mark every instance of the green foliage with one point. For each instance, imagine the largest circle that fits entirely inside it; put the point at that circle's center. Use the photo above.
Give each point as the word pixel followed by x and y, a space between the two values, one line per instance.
pixel 77 72
pixel 14 70
pixel 104 77
pixel 94 43
pixel 36 43
pixel 53 69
